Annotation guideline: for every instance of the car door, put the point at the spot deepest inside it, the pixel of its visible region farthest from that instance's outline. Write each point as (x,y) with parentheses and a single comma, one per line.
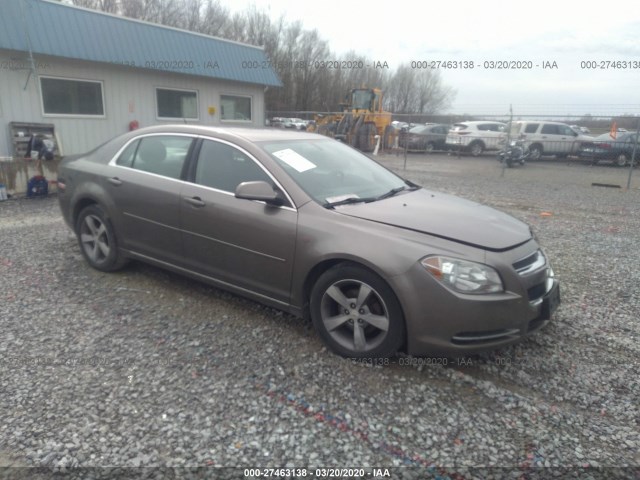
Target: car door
(491,134)
(569,139)
(556,140)
(439,136)
(145,183)
(241,242)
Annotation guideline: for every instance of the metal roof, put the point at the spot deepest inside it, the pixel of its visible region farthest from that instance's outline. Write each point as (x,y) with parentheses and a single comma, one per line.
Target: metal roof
(53,28)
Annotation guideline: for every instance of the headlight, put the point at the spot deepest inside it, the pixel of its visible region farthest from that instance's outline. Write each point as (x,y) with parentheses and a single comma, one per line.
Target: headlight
(463,276)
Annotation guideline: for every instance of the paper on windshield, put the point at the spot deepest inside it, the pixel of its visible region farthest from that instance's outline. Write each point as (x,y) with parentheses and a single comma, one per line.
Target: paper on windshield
(294,160)
(339,198)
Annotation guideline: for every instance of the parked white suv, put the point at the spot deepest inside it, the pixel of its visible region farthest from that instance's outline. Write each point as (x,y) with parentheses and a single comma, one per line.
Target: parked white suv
(475,137)
(548,138)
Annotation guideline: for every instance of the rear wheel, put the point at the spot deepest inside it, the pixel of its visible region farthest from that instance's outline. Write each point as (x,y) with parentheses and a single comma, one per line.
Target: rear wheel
(97,239)
(476,148)
(621,160)
(390,134)
(535,152)
(356,313)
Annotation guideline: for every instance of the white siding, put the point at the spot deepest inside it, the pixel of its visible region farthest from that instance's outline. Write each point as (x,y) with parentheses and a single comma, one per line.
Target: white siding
(129,94)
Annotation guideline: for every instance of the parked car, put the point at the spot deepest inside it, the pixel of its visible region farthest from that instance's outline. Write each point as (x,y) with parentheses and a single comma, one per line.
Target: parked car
(295,123)
(277,122)
(548,138)
(426,138)
(475,137)
(618,150)
(306,224)
(405,126)
(582,130)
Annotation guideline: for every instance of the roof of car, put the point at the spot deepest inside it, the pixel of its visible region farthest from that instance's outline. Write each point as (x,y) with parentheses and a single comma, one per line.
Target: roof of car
(476,122)
(247,133)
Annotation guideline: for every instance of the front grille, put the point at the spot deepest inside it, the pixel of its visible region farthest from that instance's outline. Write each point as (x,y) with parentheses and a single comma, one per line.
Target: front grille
(528,264)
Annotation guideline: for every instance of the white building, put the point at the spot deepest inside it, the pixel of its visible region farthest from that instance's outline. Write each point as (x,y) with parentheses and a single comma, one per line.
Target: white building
(83,77)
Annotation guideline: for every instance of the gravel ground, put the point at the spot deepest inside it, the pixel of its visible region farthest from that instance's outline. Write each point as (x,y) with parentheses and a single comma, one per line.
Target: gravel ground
(143,368)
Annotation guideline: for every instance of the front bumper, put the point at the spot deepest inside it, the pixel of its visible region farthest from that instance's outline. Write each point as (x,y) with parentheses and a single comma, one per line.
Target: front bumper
(441,322)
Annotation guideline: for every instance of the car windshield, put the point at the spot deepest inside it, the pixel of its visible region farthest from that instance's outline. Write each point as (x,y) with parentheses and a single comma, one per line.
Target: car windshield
(330,171)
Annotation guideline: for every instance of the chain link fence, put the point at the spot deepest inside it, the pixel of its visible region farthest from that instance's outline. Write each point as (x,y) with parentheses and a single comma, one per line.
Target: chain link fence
(590,138)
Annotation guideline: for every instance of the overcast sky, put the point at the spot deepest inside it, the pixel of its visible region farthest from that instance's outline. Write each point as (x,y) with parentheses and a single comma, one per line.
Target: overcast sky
(566,33)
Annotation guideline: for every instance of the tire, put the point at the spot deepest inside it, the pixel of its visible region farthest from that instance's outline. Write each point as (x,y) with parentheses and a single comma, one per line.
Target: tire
(621,160)
(389,137)
(535,152)
(366,137)
(346,301)
(429,148)
(97,239)
(476,149)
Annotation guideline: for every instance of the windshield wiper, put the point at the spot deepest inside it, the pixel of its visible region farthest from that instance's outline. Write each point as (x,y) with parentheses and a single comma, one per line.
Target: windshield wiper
(347,201)
(395,191)
(390,193)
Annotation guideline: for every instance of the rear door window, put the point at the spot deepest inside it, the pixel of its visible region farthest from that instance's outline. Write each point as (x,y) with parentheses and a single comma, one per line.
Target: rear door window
(160,154)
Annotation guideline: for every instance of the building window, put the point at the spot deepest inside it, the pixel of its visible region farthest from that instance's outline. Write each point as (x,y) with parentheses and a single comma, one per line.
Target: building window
(177,103)
(61,96)
(233,108)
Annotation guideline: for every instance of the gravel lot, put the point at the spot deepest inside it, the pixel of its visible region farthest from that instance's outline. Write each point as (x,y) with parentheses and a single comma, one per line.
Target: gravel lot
(143,368)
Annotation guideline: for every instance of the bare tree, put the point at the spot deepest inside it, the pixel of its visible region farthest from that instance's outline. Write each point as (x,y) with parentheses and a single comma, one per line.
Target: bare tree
(432,95)
(214,18)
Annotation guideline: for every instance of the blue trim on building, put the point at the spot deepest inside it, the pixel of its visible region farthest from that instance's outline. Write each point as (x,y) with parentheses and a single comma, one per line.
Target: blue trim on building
(52,28)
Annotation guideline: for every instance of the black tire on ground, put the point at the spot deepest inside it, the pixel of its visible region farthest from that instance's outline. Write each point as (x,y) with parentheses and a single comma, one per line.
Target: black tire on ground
(97,239)
(366,137)
(535,152)
(354,135)
(621,160)
(356,313)
(476,148)
(389,137)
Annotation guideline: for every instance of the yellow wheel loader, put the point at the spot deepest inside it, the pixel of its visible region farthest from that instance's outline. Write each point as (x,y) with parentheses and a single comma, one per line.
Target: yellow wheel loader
(362,119)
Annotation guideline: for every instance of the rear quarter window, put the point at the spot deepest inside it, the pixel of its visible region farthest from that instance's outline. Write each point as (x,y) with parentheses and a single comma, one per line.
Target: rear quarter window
(531,128)
(126,157)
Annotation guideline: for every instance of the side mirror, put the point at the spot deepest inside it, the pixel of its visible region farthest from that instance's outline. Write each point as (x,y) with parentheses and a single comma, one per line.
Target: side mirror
(260,191)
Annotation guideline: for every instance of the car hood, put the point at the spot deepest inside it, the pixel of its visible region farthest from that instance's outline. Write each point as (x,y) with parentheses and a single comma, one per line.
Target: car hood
(445,216)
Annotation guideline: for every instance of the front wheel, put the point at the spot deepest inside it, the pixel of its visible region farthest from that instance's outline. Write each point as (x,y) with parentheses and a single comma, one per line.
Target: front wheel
(97,239)
(356,313)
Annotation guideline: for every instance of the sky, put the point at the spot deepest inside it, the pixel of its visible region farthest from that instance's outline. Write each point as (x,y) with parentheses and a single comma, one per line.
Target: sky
(569,37)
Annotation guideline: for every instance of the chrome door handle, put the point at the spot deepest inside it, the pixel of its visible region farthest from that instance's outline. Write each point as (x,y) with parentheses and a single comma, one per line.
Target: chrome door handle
(195,201)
